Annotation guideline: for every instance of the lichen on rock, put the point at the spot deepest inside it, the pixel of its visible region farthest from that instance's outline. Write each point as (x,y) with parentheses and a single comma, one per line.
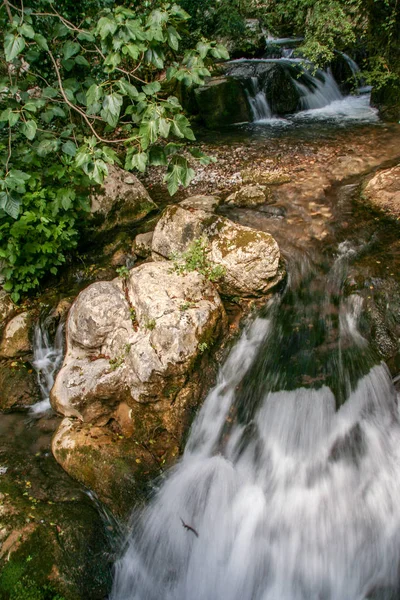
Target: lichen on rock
(249,259)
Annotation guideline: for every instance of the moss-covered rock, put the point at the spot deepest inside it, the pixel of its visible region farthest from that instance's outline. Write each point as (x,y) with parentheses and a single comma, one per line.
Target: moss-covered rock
(53,543)
(222,101)
(121,201)
(18,385)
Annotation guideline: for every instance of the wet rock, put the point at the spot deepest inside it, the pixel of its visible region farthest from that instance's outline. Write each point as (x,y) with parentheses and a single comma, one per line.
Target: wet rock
(281,92)
(15,341)
(257,175)
(131,342)
(143,243)
(122,200)
(206,203)
(273,211)
(248,196)
(222,101)
(18,385)
(383,191)
(248,259)
(53,542)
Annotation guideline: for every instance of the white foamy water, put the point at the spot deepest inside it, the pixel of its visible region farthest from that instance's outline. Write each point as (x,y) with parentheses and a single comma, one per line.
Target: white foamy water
(47,359)
(350,108)
(300,501)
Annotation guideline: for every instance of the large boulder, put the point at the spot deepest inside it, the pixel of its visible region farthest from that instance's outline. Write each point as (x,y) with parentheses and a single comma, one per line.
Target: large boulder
(134,342)
(281,91)
(383,191)
(223,101)
(248,260)
(16,341)
(124,387)
(121,200)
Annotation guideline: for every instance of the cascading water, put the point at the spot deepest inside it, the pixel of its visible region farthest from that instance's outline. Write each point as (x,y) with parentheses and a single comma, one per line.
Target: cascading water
(290,480)
(47,359)
(321,90)
(258,101)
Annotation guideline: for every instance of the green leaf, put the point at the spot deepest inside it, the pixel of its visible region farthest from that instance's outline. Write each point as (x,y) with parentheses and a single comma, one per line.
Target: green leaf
(136,161)
(49,92)
(106,26)
(68,64)
(13,118)
(69,148)
(86,36)
(172,180)
(10,204)
(152,88)
(81,61)
(157,156)
(173,38)
(127,88)
(27,31)
(41,41)
(46,147)
(112,60)
(181,128)
(164,127)
(203,48)
(13,45)
(94,96)
(29,129)
(203,158)
(111,109)
(4,115)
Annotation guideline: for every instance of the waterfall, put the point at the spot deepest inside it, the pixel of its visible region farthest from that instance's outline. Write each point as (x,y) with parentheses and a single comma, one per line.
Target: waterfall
(258,101)
(321,89)
(290,482)
(47,359)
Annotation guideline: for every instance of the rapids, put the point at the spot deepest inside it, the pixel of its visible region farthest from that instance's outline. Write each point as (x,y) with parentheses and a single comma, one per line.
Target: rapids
(291,475)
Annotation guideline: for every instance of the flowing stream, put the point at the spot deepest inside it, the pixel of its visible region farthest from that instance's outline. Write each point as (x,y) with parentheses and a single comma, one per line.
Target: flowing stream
(48,355)
(289,485)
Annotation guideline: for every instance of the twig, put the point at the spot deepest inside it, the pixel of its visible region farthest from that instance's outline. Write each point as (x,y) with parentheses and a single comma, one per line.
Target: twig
(9,149)
(8,9)
(78,110)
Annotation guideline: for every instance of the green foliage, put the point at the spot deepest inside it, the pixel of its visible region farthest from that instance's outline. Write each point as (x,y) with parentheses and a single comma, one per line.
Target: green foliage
(203,346)
(79,92)
(150,324)
(123,272)
(16,584)
(195,259)
(38,241)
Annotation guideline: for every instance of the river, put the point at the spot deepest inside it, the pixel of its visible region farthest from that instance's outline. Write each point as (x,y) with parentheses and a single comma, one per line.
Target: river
(290,482)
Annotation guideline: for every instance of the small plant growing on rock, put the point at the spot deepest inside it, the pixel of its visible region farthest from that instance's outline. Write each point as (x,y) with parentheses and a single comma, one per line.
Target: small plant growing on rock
(123,272)
(132,313)
(150,324)
(186,305)
(195,259)
(203,346)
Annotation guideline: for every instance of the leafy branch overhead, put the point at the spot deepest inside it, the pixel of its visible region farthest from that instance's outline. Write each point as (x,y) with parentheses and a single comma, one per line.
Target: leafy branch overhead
(76,96)
(102,95)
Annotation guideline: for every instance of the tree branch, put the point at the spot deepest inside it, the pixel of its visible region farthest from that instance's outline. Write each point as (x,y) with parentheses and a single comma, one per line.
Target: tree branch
(8,9)
(78,110)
